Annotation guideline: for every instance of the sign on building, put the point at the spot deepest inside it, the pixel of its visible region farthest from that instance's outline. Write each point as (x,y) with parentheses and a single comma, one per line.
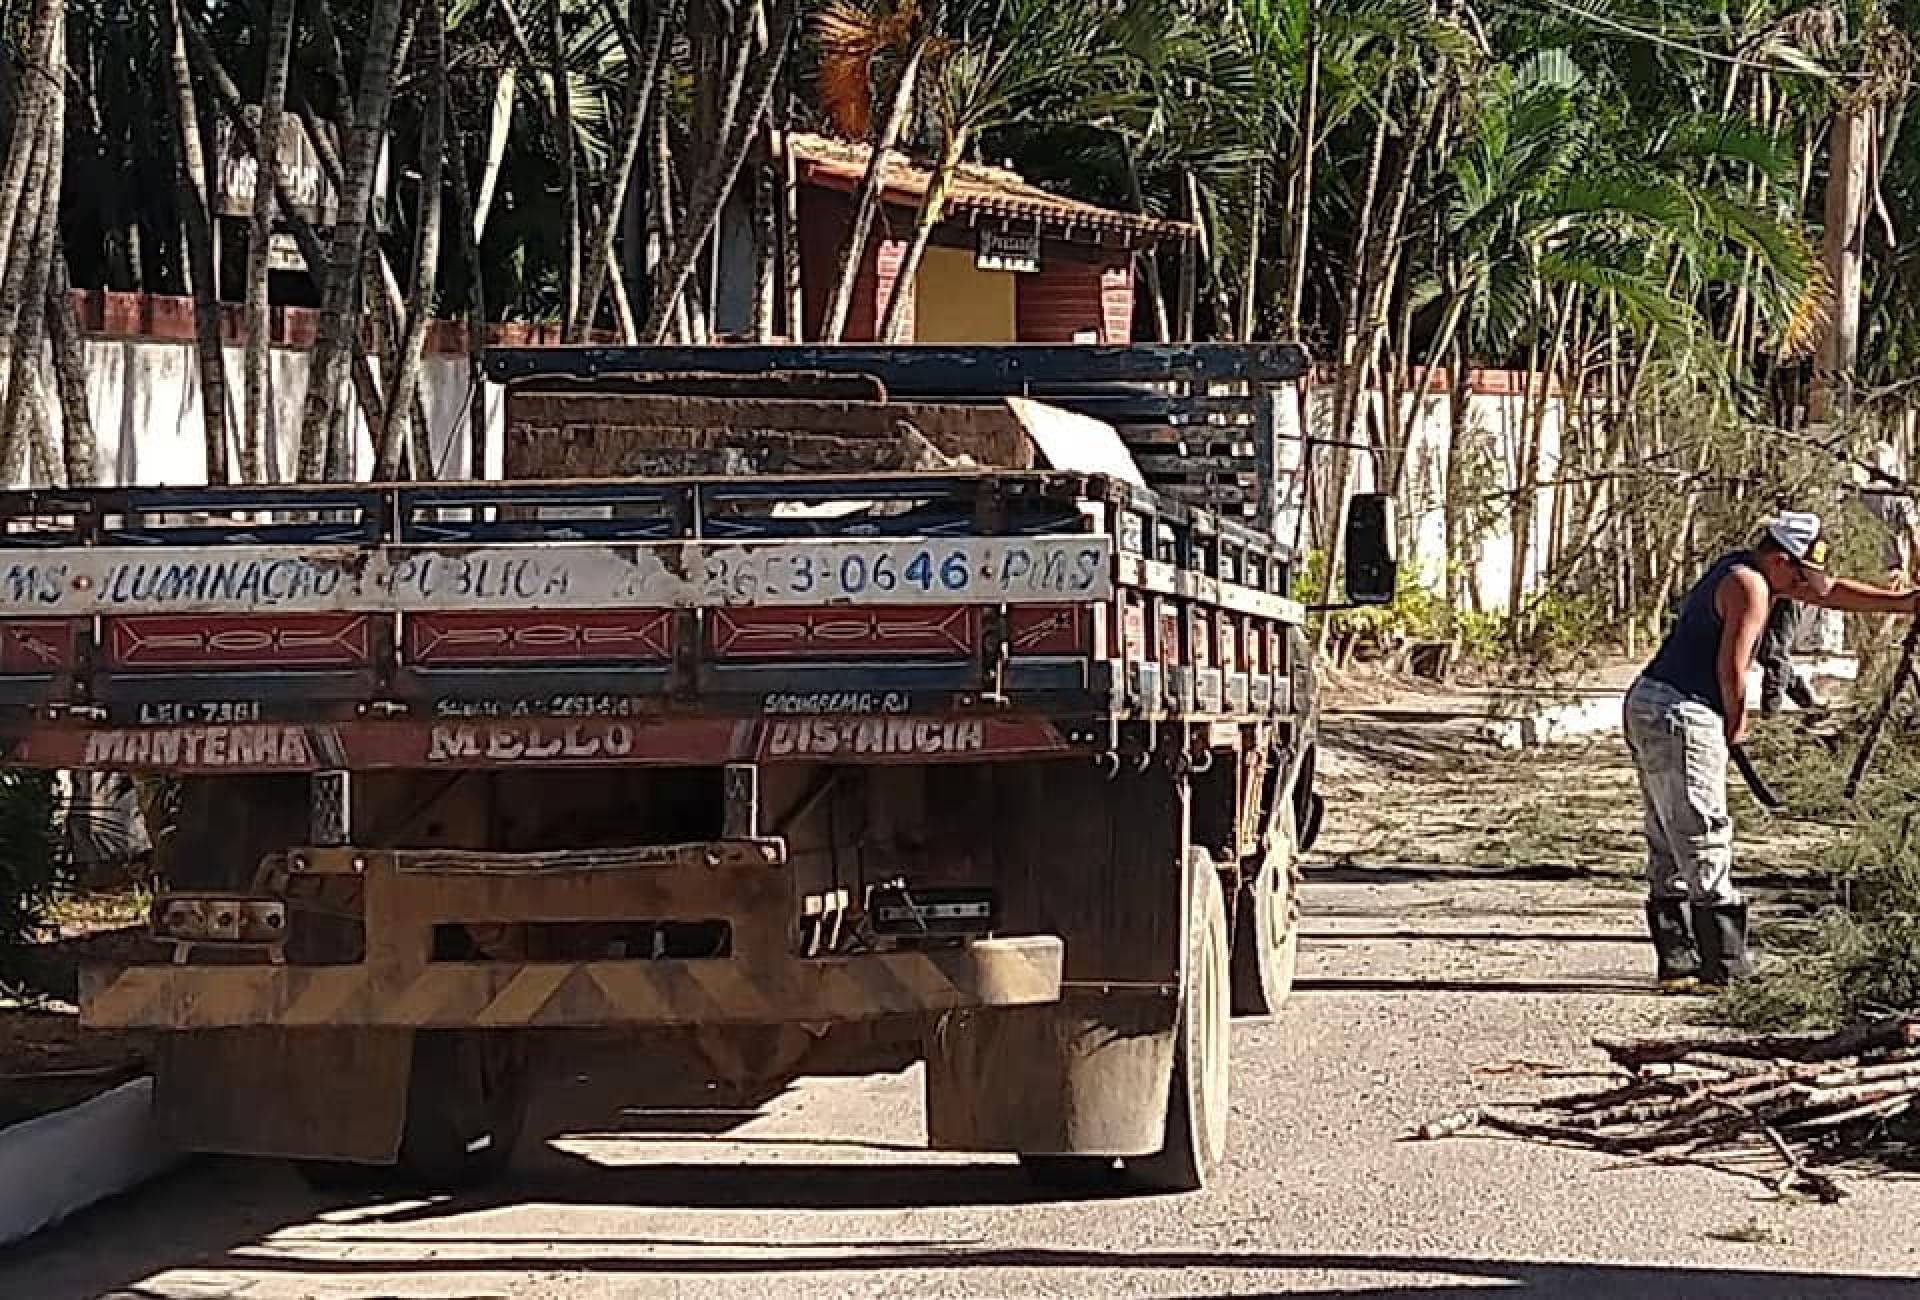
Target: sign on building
(307,184)
(1007,250)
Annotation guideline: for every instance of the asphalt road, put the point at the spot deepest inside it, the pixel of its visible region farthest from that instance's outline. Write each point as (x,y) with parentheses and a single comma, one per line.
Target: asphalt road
(1424,989)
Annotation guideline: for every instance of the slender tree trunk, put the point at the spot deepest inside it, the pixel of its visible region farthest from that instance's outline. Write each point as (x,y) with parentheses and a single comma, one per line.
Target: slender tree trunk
(1190,255)
(499,123)
(867,198)
(640,98)
(36,143)
(426,261)
(1459,410)
(312,250)
(709,197)
(193,184)
(70,375)
(933,207)
(622,305)
(1349,384)
(569,169)
(1250,271)
(792,295)
(1843,249)
(280,25)
(1148,259)
(765,262)
(471,229)
(1300,186)
(332,339)
(1441,346)
(34,98)
(24,421)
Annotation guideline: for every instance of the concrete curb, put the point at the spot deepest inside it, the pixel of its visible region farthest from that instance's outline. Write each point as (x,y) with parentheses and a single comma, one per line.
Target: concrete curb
(1519,722)
(55,1165)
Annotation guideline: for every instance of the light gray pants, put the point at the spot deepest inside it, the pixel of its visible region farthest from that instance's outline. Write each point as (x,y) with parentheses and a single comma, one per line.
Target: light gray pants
(1679,749)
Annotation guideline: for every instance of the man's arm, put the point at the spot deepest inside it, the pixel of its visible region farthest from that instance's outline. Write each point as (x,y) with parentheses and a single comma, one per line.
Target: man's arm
(1743,601)
(1862,598)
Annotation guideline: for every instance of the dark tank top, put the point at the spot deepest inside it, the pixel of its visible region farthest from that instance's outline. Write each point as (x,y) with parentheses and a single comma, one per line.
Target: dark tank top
(1688,658)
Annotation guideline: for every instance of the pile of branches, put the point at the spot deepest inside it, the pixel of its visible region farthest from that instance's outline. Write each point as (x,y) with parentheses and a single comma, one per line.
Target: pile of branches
(1778,1108)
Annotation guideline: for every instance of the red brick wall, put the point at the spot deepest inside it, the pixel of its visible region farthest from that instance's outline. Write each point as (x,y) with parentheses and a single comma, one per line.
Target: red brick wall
(1076,290)
(103,313)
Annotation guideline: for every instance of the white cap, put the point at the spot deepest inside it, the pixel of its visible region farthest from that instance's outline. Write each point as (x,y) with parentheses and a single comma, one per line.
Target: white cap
(1798,533)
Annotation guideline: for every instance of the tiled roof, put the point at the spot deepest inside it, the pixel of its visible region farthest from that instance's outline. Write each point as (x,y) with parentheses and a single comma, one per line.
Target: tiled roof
(993,191)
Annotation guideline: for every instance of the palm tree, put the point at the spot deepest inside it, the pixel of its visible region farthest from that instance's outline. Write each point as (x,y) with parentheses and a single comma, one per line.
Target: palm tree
(193,186)
(332,338)
(644,70)
(743,116)
(280,32)
(401,392)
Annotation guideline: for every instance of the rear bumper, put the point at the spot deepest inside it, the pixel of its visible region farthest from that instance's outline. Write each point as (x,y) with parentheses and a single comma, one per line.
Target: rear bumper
(398,982)
(594,994)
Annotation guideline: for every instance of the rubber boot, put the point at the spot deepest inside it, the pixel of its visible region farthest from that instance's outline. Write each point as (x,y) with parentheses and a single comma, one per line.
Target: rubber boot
(1679,960)
(1722,934)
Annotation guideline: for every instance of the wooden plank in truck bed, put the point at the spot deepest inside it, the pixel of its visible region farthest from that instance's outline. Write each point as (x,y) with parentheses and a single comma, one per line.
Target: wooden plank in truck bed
(557,434)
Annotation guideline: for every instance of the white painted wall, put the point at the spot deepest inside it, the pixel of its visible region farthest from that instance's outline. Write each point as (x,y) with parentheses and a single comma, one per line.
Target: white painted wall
(1493,423)
(144,398)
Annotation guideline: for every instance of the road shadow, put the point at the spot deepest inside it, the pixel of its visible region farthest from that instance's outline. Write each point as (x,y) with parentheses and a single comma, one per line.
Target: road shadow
(1465,936)
(1425,1277)
(1402,748)
(1435,984)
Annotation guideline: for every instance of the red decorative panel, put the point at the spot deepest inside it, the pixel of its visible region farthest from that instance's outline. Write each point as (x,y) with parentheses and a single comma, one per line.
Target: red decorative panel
(1170,635)
(586,635)
(36,647)
(1047,629)
(1133,629)
(239,641)
(821,633)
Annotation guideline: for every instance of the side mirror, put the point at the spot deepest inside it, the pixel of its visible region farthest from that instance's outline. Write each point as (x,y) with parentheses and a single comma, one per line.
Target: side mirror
(1372,571)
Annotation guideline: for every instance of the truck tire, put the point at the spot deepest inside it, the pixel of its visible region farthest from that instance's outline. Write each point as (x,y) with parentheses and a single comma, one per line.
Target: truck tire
(1266,931)
(1196,1123)
(466,1105)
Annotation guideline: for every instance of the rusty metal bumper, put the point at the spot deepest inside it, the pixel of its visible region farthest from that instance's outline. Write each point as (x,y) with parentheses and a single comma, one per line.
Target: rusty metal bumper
(407,893)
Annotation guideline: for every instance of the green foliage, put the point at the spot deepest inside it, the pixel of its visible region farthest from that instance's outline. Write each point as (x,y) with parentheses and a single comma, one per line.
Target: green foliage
(1860,955)
(34,867)
(1556,630)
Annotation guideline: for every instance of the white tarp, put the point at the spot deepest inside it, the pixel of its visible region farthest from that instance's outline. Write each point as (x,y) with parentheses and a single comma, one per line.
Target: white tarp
(1071,441)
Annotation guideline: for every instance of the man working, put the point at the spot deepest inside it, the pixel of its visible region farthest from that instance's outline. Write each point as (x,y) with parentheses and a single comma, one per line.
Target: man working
(1684,711)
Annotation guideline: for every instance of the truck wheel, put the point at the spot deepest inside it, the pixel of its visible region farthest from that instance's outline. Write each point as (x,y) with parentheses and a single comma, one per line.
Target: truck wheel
(466,1105)
(1196,1124)
(1266,932)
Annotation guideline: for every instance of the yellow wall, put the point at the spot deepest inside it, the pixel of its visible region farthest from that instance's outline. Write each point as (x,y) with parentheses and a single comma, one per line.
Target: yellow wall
(955,302)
